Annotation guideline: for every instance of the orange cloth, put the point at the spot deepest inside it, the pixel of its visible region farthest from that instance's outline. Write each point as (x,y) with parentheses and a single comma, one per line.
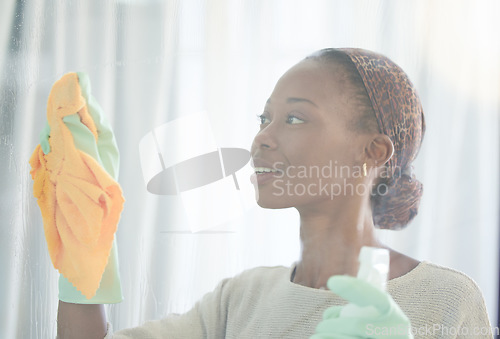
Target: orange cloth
(80,202)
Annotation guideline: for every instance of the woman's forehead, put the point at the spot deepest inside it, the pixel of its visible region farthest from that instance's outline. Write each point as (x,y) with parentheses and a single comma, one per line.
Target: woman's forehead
(316,81)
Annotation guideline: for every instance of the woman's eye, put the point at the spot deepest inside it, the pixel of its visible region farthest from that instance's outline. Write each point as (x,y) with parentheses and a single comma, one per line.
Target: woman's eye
(293,120)
(263,119)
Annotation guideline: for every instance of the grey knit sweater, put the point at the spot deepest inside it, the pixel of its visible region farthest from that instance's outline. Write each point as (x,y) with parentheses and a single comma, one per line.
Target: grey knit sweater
(264,303)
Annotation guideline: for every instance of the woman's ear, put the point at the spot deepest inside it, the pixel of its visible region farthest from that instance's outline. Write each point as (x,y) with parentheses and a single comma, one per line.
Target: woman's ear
(380,149)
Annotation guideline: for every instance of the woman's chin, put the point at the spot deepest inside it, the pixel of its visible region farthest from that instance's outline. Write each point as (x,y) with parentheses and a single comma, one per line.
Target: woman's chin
(272,203)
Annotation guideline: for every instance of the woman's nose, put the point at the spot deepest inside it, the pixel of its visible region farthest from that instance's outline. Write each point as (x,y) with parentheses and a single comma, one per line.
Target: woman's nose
(265,139)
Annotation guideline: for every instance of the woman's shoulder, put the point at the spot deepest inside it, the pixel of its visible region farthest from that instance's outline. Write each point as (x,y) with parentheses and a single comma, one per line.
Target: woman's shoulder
(433,295)
(264,273)
(253,282)
(433,280)
(427,271)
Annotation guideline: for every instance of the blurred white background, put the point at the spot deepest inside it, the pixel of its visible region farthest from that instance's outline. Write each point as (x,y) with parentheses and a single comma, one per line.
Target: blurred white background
(153,61)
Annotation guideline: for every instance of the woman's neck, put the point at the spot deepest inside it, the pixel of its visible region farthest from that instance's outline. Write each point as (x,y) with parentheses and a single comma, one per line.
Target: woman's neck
(331,243)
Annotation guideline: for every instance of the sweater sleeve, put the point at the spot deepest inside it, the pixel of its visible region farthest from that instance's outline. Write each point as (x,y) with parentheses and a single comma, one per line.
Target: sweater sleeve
(475,320)
(207,319)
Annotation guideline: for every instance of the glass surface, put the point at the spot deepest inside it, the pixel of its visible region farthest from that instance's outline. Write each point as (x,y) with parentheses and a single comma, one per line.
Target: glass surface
(152,62)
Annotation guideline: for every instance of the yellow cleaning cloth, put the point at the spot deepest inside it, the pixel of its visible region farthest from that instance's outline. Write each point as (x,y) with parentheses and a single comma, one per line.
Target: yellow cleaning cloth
(80,202)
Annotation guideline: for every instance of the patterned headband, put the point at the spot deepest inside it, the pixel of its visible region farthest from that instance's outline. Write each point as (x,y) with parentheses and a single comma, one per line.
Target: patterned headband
(400,116)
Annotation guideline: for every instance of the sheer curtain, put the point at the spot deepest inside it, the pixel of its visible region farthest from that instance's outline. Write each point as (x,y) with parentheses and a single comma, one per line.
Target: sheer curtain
(154,62)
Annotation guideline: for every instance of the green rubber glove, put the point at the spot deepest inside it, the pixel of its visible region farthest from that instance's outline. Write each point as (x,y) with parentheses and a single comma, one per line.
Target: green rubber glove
(106,151)
(386,318)
(107,154)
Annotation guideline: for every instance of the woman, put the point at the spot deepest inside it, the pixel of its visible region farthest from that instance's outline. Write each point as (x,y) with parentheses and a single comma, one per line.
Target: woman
(337,139)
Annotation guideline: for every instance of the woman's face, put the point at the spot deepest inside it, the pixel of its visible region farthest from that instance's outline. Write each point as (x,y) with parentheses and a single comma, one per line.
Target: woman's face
(304,136)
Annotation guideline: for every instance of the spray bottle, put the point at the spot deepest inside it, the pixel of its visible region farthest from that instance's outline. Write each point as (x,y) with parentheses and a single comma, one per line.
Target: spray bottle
(373,268)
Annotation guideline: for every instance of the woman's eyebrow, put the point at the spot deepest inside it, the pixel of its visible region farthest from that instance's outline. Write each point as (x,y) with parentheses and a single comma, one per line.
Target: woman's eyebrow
(294,100)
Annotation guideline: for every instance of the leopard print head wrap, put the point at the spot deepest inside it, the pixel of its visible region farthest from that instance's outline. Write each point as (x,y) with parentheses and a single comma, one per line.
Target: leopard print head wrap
(400,116)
